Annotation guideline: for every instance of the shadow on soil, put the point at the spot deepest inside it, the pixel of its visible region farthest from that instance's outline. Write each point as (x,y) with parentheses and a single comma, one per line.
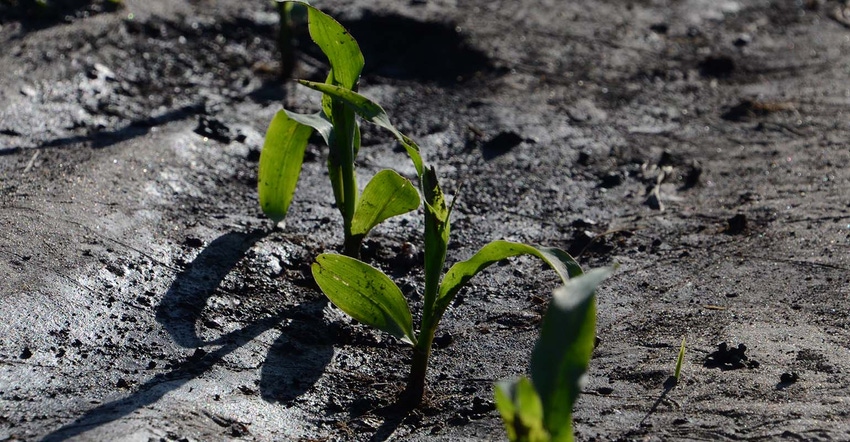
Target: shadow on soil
(35,15)
(294,363)
(183,303)
(403,48)
(134,129)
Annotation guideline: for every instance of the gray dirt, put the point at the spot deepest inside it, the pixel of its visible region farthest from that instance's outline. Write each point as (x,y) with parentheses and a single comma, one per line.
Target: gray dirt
(701,145)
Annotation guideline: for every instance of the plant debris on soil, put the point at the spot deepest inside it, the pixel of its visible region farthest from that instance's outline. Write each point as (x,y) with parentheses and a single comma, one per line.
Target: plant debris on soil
(701,145)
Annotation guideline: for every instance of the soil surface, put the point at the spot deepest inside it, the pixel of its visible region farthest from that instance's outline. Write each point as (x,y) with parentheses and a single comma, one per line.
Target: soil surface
(700,144)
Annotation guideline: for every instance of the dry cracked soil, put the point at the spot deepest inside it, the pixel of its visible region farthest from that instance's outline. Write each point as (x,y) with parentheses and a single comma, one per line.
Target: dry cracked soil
(702,145)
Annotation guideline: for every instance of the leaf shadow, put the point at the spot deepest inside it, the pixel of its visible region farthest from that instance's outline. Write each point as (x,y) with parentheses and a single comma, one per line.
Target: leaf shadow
(161,384)
(182,305)
(299,355)
(296,360)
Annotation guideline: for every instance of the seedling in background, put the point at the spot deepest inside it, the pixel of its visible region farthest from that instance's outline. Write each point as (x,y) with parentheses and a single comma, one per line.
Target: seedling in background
(678,372)
(371,297)
(540,409)
(387,194)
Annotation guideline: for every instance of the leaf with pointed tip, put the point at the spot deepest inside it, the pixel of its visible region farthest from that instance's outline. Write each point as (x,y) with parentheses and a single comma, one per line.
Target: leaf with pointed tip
(562,354)
(280,162)
(388,194)
(364,293)
(459,274)
(338,45)
(373,113)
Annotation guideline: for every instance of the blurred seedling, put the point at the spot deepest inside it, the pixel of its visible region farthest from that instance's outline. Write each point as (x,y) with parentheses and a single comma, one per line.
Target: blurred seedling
(540,409)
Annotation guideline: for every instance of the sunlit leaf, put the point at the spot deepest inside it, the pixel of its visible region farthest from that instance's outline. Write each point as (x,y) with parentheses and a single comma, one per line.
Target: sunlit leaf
(373,113)
(338,45)
(364,293)
(280,163)
(459,274)
(388,194)
(562,354)
(677,373)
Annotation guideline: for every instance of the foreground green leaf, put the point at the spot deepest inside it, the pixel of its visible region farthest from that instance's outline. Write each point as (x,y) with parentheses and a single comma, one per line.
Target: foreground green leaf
(364,293)
(280,163)
(388,194)
(561,356)
(521,411)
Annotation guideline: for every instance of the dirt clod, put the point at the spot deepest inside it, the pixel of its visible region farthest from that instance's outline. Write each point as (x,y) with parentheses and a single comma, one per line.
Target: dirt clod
(726,358)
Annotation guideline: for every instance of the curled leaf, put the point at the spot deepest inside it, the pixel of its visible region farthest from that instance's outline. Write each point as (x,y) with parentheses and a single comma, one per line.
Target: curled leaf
(459,274)
(373,113)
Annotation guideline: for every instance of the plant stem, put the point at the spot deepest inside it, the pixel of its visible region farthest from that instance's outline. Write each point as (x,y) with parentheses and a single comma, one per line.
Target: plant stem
(284,40)
(351,244)
(418,368)
(344,132)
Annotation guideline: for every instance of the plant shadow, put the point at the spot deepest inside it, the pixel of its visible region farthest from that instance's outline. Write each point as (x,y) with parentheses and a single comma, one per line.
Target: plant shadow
(161,384)
(105,139)
(299,356)
(669,384)
(182,305)
(295,361)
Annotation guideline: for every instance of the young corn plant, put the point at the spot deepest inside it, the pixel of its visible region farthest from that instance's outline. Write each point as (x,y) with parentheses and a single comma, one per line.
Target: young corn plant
(540,409)
(677,373)
(387,194)
(371,297)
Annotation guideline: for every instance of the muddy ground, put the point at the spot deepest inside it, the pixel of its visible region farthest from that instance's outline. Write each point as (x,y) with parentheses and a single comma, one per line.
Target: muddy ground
(702,145)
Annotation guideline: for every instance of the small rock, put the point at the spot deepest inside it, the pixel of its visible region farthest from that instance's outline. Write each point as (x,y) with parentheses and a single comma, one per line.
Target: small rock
(26,353)
(736,225)
(501,144)
(610,180)
(789,378)
(443,340)
(660,28)
(193,242)
(742,40)
(212,128)
(717,66)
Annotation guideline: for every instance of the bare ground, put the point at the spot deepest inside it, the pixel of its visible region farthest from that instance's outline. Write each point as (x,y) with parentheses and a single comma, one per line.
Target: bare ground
(701,145)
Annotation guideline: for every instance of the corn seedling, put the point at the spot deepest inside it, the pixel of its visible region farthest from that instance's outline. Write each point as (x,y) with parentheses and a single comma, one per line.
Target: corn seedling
(540,409)
(369,296)
(387,194)
(678,372)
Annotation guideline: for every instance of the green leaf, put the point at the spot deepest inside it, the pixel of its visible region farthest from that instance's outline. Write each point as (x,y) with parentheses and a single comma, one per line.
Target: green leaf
(317,121)
(388,194)
(364,293)
(437,231)
(459,274)
(562,354)
(338,45)
(521,411)
(678,372)
(373,113)
(280,163)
